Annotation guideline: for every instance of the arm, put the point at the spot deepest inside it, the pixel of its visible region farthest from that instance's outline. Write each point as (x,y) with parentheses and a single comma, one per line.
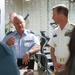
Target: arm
(57,65)
(33,50)
(52,55)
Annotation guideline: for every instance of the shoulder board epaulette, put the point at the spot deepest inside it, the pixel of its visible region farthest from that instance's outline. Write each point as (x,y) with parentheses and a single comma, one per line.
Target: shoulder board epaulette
(9,32)
(72,24)
(32,32)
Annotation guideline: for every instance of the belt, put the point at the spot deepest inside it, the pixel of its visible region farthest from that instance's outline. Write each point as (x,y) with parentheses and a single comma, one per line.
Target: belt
(19,59)
(20,65)
(61,60)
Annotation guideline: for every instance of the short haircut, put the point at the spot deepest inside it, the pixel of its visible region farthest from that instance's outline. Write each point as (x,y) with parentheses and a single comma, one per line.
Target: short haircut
(61,8)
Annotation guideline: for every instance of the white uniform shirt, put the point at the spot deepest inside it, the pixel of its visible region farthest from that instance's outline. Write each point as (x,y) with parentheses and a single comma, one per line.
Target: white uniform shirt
(60,41)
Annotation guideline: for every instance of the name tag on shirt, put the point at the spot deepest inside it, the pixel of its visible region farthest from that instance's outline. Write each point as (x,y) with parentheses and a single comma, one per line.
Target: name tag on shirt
(28,40)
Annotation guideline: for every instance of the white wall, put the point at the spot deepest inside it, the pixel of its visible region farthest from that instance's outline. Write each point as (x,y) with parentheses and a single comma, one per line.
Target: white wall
(2,19)
(37,10)
(40,13)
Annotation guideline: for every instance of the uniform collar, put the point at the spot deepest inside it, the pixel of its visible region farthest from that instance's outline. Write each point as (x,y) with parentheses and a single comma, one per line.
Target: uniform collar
(25,32)
(68,25)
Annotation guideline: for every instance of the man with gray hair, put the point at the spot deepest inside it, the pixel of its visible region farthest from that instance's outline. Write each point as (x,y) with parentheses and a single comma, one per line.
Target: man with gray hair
(23,43)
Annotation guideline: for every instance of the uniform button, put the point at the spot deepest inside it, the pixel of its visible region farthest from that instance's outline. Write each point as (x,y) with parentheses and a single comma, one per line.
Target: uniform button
(62,59)
(55,45)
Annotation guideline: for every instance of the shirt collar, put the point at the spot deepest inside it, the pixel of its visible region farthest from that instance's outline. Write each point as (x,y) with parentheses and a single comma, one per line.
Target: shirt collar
(25,32)
(68,25)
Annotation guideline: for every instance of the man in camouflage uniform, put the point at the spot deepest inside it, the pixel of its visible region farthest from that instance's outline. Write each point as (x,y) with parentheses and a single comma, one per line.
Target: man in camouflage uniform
(9,26)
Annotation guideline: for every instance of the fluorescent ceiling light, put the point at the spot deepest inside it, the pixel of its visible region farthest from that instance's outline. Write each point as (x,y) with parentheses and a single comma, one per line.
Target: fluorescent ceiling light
(27,0)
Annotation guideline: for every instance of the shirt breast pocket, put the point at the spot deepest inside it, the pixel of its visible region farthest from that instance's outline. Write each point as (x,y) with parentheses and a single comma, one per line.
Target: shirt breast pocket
(55,40)
(27,44)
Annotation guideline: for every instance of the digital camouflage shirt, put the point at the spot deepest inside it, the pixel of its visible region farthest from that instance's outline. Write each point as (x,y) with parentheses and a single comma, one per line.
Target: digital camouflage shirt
(9,27)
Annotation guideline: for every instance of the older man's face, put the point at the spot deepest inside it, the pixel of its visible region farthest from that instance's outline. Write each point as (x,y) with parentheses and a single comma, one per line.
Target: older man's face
(19,24)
